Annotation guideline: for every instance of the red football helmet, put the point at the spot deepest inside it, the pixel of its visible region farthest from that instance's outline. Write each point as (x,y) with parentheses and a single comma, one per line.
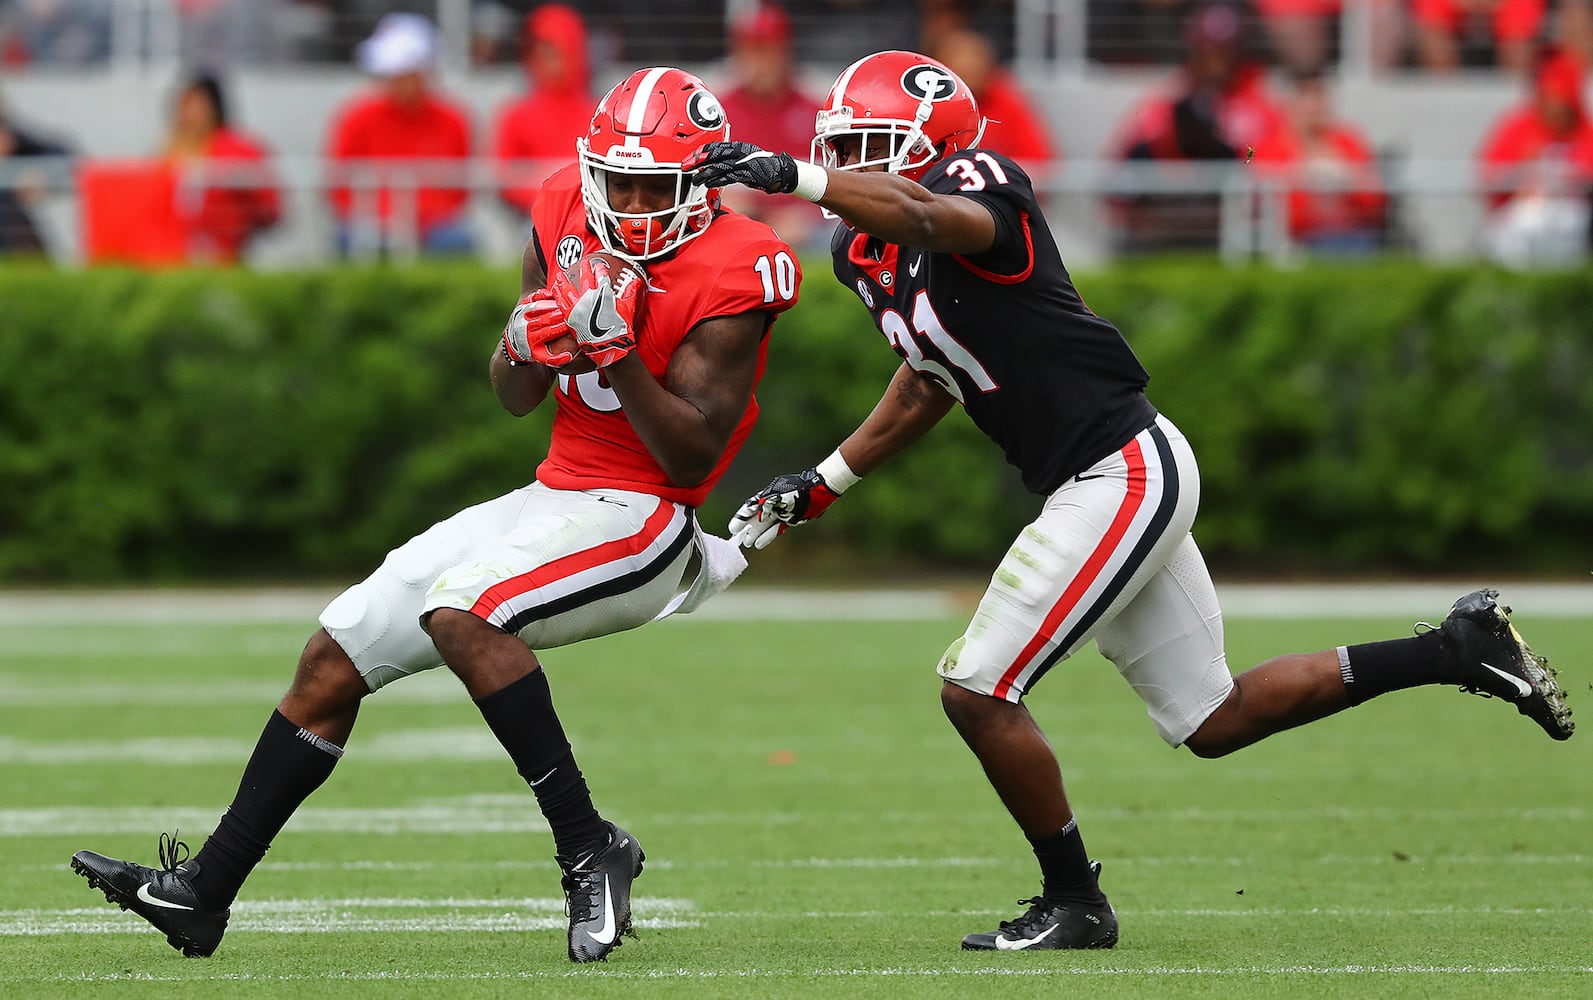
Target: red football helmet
(906,109)
(649,124)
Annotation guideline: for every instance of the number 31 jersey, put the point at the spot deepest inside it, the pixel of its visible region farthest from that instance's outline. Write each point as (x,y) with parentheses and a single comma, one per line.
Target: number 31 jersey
(1004,331)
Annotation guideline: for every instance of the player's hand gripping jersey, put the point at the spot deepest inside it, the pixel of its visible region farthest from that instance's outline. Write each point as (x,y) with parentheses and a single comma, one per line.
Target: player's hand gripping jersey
(1005,331)
(736,266)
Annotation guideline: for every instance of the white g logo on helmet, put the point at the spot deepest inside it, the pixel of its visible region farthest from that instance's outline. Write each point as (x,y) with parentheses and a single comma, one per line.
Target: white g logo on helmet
(927,82)
(704,111)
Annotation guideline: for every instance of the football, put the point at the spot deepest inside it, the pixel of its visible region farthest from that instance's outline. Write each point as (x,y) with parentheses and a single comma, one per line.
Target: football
(630,291)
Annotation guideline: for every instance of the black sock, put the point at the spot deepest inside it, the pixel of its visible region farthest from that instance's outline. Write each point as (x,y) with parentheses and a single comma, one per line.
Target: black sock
(522,717)
(1374,668)
(1065,867)
(287,765)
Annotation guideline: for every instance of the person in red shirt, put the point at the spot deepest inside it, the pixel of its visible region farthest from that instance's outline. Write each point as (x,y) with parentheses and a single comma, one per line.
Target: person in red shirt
(387,145)
(217,204)
(1536,167)
(765,105)
(1216,108)
(1335,198)
(1446,28)
(535,133)
(1013,127)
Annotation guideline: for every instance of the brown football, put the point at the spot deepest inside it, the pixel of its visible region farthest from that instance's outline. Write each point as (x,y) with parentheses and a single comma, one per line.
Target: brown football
(630,292)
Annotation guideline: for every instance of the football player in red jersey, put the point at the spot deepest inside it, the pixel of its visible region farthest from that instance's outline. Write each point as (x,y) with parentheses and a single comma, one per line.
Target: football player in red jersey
(597,544)
(947,247)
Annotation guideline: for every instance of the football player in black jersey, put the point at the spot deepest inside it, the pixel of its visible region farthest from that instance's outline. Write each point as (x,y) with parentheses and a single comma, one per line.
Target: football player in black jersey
(947,247)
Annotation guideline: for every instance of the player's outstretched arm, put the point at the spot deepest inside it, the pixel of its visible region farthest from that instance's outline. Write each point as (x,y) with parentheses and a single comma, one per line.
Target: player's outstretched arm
(912,404)
(521,388)
(893,208)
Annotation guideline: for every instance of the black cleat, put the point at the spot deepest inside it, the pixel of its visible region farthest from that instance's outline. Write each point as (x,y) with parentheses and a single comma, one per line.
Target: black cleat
(1498,663)
(1051,925)
(597,895)
(164,896)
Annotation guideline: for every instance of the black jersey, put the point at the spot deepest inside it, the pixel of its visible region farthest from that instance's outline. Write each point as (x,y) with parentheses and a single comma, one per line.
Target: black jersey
(1053,384)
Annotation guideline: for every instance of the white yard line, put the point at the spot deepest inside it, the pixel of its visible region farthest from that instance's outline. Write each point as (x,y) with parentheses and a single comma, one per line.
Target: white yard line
(1240,600)
(1048,970)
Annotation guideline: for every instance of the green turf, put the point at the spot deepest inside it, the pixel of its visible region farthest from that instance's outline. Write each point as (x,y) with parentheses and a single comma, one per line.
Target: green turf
(813,827)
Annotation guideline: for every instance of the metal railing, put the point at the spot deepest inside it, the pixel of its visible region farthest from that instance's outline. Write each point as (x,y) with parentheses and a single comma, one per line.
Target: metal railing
(1437,208)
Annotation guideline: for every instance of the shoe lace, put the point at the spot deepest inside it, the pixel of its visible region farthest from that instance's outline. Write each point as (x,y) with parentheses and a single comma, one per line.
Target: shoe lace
(1032,918)
(173,852)
(581,887)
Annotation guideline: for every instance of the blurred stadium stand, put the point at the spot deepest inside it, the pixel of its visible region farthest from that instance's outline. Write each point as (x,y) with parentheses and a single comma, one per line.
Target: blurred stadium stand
(100,75)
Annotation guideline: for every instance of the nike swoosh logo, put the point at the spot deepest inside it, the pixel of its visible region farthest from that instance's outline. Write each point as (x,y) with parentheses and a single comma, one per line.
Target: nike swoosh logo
(913,270)
(1008,944)
(1081,477)
(144,894)
(592,328)
(605,934)
(1522,687)
(543,778)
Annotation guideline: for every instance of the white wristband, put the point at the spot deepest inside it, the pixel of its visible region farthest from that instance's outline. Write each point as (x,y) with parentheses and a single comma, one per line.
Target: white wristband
(811,181)
(837,474)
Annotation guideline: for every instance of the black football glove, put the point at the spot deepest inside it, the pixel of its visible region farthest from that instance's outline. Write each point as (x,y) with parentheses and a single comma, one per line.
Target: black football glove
(719,164)
(789,500)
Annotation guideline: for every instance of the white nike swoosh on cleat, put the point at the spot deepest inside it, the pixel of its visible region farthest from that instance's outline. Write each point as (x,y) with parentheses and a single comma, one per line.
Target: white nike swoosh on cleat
(1008,944)
(1522,687)
(605,934)
(144,894)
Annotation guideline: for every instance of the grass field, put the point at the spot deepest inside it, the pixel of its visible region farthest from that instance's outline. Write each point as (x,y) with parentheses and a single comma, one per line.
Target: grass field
(813,826)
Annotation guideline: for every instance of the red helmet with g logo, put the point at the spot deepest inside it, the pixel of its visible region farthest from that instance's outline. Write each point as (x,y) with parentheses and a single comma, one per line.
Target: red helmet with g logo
(907,109)
(649,124)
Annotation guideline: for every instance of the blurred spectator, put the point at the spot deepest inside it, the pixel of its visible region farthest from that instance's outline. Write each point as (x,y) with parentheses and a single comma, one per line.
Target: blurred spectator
(1335,200)
(838,32)
(1151,32)
(1014,127)
(764,105)
(215,163)
(1452,33)
(1215,109)
(1303,33)
(544,124)
(492,33)
(1536,169)
(658,33)
(1572,28)
(54,32)
(994,19)
(390,145)
(20,186)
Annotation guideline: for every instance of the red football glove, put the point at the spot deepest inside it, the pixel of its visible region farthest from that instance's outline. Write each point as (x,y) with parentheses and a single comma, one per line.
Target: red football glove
(537,320)
(602,316)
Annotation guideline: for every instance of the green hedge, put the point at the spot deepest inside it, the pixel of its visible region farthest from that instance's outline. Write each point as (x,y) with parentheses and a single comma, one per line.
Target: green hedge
(233,425)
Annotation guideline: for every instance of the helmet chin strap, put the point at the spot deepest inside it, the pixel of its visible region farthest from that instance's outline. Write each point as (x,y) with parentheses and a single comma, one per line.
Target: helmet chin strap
(926,107)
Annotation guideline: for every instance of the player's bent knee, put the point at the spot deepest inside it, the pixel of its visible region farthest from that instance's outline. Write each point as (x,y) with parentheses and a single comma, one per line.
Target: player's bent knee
(326,678)
(968,710)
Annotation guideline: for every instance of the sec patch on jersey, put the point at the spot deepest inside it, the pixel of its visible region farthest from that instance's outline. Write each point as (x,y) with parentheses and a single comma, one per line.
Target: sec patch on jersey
(630,296)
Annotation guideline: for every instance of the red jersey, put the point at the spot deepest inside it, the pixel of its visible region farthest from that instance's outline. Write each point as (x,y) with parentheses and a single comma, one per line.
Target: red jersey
(374,126)
(1349,194)
(735,266)
(226,216)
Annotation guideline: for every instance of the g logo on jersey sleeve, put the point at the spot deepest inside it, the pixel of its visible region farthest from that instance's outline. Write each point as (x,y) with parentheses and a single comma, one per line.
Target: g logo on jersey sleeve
(569,251)
(927,82)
